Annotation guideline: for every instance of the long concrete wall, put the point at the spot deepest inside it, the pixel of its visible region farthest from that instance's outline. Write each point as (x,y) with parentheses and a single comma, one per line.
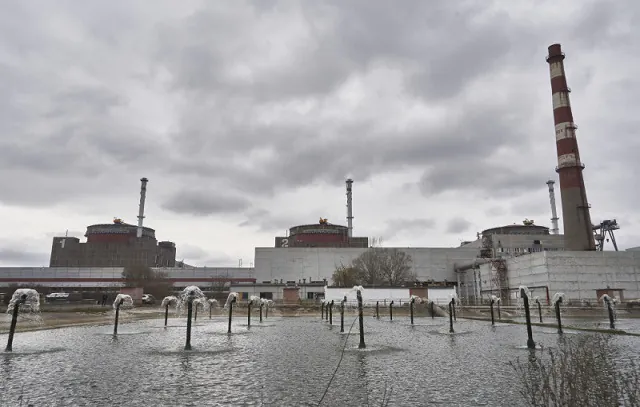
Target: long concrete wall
(293,264)
(577,274)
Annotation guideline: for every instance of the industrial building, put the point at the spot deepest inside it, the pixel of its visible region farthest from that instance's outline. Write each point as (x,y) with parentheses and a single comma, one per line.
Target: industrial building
(302,263)
(116,244)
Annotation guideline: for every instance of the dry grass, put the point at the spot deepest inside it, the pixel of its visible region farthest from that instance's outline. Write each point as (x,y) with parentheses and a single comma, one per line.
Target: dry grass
(588,371)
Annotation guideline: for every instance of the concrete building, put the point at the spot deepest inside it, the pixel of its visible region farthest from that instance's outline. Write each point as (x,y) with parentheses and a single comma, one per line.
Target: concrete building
(581,276)
(513,240)
(321,234)
(288,293)
(88,278)
(113,245)
(318,264)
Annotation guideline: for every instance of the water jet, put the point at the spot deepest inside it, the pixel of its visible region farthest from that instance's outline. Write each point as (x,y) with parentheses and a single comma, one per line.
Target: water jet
(122,300)
(525,293)
(331,313)
(358,289)
(556,301)
(537,300)
(191,295)
(231,299)
(342,314)
(411,305)
(493,299)
(609,304)
(254,299)
(166,302)
(25,300)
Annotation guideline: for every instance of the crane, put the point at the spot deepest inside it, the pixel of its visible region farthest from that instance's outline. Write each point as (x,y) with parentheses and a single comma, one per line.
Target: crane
(606,227)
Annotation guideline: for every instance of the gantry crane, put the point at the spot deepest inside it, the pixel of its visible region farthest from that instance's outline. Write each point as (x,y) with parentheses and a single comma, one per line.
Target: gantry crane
(606,227)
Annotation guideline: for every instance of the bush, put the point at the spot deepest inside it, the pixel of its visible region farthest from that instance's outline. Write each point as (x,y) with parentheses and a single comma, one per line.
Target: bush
(587,371)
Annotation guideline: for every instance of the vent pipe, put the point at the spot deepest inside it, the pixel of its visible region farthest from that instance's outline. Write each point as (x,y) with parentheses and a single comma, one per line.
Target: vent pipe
(143,195)
(576,217)
(554,212)
(349,183)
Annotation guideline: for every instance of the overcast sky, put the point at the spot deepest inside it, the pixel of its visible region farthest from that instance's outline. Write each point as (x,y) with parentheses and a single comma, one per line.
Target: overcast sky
(247,116)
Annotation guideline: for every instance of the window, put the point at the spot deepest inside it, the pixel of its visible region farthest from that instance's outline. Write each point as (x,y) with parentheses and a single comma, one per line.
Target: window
(267,295)
(311,296)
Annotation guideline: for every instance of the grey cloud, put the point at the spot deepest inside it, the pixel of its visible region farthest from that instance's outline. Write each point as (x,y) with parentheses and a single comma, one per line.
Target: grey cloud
(196,256)
(458,225)
(15,257)
(414,227)
(204,202)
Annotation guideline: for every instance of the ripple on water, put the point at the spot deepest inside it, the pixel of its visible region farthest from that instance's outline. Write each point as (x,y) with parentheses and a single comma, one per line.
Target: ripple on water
(30,352)
(193,351)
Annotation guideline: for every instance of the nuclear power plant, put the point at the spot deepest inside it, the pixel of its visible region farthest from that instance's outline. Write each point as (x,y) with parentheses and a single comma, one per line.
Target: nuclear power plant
(496,262)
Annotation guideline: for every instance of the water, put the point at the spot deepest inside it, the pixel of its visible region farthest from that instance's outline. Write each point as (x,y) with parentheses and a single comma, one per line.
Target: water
(288,363)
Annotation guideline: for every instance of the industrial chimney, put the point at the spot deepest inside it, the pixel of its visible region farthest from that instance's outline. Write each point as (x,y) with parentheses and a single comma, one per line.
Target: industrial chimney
(554,213)
(143,195)
(578,233)
(349,183)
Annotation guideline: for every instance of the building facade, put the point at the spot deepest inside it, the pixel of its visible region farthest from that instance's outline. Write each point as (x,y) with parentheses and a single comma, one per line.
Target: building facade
(321,234)
(113,245)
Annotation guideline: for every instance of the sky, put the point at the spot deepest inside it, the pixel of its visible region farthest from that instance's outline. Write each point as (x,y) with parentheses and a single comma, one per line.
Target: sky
(248,116)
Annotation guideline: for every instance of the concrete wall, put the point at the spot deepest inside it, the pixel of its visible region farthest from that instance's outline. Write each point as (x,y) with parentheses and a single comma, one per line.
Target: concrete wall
(369,295)
(277,290)
(577,274)
(293,264)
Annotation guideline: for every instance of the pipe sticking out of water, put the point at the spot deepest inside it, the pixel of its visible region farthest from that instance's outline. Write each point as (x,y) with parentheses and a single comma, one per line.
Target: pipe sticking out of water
(195,314)
(331,304)
(322,310)
(14,321)
(391,311)
(261,305)
(413,300)
(166,315)
(231,302)
(342,313)
(360,318)
(378,309)
(539,308)
(187,345)
(493,322)
(557,300)
(115,323)
(249,313)
(451,315)
(525,297)
(607,301)
(433,315)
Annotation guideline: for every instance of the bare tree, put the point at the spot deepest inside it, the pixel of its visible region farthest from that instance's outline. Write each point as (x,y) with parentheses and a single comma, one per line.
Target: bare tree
(382,266)
(345,276)
(396,267)
(155,283)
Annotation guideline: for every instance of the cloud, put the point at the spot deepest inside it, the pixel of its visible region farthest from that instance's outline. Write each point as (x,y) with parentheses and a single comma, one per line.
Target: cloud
(204,203)
(409,227)
(197,255)
(258,99)
(458,225)
(14,257)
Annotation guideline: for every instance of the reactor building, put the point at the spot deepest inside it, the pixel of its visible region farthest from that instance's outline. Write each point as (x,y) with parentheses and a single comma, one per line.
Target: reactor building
(116,244)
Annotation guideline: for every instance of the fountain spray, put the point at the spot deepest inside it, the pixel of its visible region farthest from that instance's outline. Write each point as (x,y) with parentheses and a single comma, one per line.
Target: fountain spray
(261,305)
(378,309)
(14,320)
(537,300)
(608,302)
(122,300)
(166,302)
(391,311)
(358,289)
(342,313)
(451,315)
(411,305)
(231,299)
(187,345)
(499,302)
(331,313)
(557,300)
(266,309)
(454,298)
(524,293)
(493,299)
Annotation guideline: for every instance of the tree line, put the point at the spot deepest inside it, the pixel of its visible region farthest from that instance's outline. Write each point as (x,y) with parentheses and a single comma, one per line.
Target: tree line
(377,266)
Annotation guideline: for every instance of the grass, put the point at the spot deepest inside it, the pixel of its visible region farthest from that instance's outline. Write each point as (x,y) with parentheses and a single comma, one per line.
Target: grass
(585,372)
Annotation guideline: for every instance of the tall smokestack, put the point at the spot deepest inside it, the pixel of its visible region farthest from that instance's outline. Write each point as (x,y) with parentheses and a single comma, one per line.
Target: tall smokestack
(578,233)
(554,213)
(143,195)
(349,183)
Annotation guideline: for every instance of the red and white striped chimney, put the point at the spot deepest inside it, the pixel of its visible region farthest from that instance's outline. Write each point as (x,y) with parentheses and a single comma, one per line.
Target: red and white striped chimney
(578,230)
